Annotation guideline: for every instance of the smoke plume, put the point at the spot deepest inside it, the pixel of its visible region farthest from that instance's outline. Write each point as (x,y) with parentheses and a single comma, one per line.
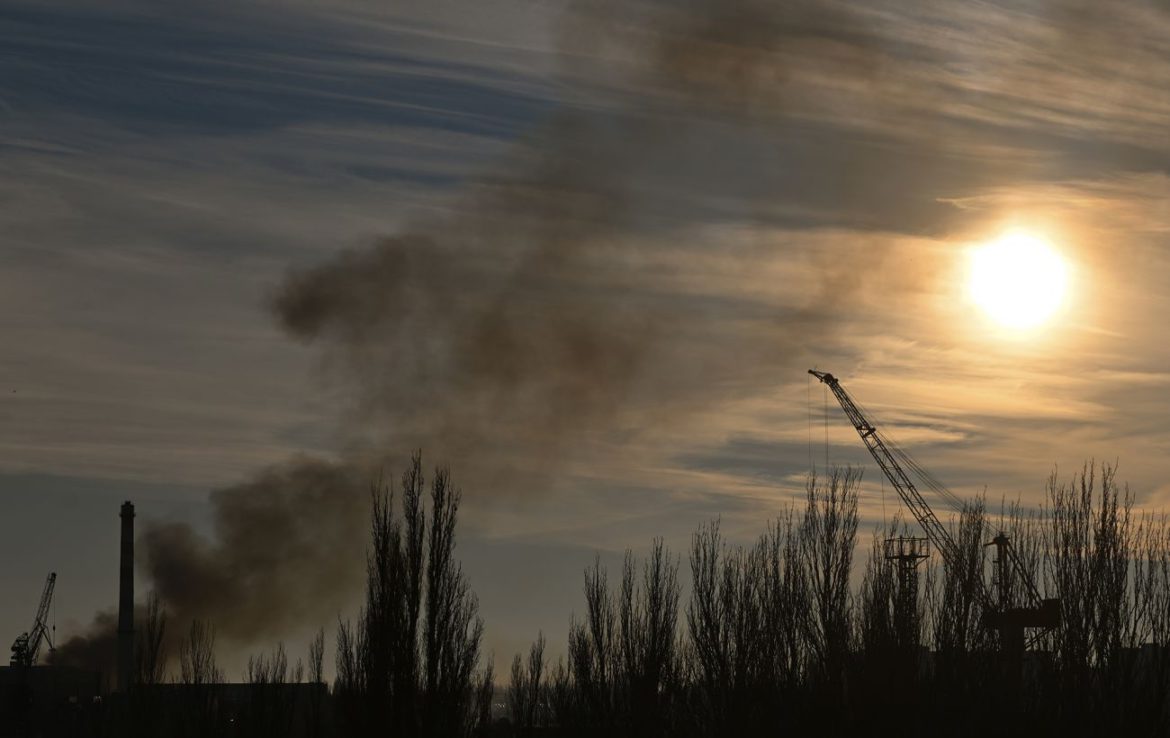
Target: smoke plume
(287,551)
(577,294)
(563,301)
(94,647)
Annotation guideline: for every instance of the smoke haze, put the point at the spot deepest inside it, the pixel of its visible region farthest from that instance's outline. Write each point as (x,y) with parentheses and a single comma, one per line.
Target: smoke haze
(288,551)
(582,290)
(563,300)
(561,303)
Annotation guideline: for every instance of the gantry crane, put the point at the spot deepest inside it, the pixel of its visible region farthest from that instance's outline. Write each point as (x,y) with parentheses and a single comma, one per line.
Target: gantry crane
(27,645)
(1000,613)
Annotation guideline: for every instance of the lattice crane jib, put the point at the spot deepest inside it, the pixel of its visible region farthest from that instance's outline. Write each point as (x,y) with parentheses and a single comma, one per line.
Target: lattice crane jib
(893,470)
(27,645)
(1041,613)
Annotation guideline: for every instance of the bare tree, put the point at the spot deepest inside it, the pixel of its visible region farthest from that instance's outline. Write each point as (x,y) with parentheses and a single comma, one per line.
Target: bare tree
(648,641)
(956,606)
(1094,540)
(151,655)
(785,605)
(828,537)
(270,709)
(316,674)
(527,690)
(725,618)
(485,691)
(453,628)
(877,601)
(350,690)
(197,663)
(150,661)
(198,671)
(410,661)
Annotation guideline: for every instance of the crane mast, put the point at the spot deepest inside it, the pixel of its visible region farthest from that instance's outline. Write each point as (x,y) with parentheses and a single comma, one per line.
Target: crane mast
(1008,620)
(27,645)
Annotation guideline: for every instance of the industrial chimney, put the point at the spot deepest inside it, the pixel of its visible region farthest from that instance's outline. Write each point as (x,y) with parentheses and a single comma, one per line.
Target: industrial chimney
(126,601)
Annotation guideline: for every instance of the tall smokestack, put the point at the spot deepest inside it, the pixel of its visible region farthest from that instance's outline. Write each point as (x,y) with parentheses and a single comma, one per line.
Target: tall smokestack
(126,601)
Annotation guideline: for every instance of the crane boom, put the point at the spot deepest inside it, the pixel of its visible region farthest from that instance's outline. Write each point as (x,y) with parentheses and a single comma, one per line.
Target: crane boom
(893,470)
(27,645)
(1009,620)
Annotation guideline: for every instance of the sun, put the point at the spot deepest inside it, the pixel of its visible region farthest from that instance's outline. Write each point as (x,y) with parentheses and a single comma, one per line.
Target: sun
(1018,280)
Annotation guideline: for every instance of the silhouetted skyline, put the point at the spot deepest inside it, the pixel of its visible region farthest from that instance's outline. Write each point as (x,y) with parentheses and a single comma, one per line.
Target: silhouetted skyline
(581,253)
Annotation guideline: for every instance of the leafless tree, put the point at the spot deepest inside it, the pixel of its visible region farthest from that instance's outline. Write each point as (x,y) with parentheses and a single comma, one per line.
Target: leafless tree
(785,604)
(828,537)
(150,651)
(197,663)
(198,672)
(955,602)
(527,691)
(410,661)
(485,691)
(726,620)
(877,600)
(316,673)
(648,640)
(453,627)
(350,690)
(271,708)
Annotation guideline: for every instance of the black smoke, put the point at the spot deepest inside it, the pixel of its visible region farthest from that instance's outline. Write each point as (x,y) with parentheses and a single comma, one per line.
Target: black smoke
(560,304)
(287,551)
(577,296)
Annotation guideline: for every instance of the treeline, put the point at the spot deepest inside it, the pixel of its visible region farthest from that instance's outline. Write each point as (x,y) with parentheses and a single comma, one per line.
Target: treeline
(773,639)
(785,636)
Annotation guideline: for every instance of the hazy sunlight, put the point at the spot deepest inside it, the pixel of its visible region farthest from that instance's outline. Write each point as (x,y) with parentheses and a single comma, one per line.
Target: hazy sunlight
(1018,280)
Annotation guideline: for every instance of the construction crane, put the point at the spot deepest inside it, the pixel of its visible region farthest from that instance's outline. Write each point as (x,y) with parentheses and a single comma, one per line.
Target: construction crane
(1000,614)
(27,645)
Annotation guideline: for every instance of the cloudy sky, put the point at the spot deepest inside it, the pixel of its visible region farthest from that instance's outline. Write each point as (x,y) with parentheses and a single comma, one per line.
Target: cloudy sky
(582,253)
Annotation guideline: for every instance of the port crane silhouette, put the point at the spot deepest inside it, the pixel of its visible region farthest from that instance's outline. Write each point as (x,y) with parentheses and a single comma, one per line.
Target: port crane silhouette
(1000,612)
(27,645)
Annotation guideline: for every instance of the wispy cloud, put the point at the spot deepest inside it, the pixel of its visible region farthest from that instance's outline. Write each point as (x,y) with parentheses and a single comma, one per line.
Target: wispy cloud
(723,191)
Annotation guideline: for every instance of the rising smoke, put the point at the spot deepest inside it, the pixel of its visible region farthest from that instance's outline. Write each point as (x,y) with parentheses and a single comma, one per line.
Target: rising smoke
(288,550)
(561,302)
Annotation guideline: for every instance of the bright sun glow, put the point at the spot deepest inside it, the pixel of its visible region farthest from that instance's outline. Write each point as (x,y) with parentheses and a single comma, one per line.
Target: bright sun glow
(1018,280)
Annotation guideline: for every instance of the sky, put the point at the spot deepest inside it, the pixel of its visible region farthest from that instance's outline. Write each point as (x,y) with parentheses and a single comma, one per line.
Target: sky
(582,253)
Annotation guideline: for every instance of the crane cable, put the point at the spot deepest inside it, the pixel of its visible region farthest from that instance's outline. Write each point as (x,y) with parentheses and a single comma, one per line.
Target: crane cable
(930,480)
(808,387)
(927,479)
(826,397)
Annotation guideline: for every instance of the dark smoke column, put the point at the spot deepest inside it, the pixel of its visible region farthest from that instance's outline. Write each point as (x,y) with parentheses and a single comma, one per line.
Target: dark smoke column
(126,601)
